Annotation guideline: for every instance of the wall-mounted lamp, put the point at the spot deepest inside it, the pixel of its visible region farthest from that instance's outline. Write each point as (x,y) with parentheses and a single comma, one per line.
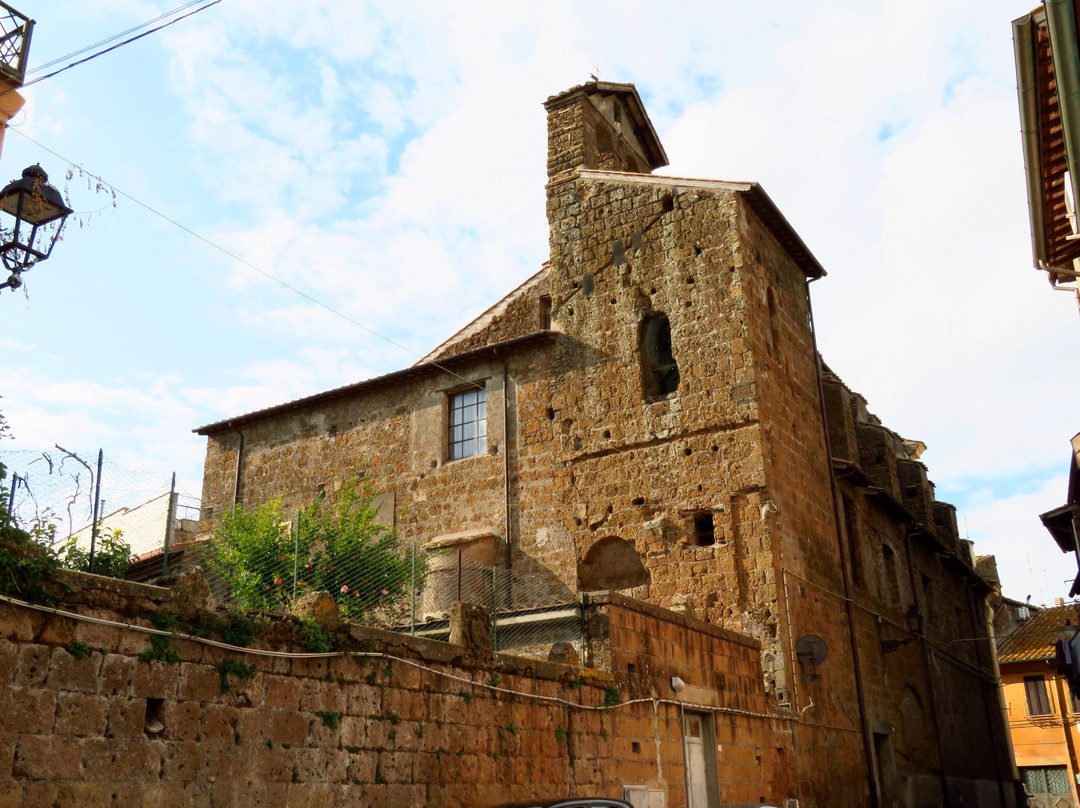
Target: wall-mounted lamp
(914,621)
(34,203)
(677,684)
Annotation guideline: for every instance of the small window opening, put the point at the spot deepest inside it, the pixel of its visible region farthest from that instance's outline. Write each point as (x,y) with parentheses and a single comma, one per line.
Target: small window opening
(551,413)
(545,312)
(152,722)
(662,371)
(635,747)
(704,530)
(587,283)
(667,203)
(631,668)
(637,501)
(635,241)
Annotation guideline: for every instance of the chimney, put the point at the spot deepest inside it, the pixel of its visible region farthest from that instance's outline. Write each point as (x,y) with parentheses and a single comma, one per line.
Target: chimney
(601,125)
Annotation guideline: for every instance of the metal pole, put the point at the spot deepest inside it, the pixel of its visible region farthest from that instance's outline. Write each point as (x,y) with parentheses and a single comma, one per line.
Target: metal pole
(97,503)
(170,522)
(412,620)
(296,552)
(495,608)
(11,496)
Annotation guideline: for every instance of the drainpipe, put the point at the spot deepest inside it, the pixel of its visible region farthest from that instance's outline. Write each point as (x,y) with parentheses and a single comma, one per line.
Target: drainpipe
(506,480)
(972,603)
(1070,747)
(239,461)
(868,752)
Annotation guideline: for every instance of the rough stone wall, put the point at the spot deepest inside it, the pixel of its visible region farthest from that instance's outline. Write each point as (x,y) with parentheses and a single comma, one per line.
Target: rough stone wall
(394,434)
(641,466)
(405,722)
(518,314)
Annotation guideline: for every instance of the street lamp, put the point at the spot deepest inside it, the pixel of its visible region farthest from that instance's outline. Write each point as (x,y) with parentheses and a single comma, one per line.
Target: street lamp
(34,203)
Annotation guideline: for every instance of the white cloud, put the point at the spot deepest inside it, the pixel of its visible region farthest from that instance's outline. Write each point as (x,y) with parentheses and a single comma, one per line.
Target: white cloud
(1028,560)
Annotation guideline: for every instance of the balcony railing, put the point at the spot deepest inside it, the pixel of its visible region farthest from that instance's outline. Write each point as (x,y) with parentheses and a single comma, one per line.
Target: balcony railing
(15,30)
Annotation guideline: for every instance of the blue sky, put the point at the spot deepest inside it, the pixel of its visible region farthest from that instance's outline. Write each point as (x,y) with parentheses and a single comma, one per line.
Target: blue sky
(388,160)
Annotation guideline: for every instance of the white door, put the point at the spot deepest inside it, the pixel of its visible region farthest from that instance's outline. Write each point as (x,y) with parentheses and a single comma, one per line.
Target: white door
(697,784)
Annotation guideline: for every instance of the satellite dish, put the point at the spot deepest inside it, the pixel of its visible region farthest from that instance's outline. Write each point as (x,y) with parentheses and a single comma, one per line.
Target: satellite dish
(811,650)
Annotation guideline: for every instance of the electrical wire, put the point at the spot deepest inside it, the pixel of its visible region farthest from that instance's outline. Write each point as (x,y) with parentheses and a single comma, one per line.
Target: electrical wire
(241,260)
(108,50)
(55,610)
(112,38)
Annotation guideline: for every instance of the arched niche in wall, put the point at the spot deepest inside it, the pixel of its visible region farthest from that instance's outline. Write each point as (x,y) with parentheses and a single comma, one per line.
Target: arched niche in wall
(611,563)
(912,723)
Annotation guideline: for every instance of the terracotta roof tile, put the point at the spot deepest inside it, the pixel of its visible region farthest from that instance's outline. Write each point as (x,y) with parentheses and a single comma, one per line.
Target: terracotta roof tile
(1035,638)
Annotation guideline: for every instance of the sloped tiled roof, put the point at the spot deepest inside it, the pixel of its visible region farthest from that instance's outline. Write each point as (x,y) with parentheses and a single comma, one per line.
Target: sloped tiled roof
(1035,638)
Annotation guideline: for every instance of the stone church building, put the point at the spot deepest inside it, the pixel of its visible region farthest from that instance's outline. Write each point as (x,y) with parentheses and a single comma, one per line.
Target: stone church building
(648,414)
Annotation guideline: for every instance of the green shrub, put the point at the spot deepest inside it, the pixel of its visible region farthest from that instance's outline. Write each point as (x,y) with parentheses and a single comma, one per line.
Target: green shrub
(338,547)
(112,555)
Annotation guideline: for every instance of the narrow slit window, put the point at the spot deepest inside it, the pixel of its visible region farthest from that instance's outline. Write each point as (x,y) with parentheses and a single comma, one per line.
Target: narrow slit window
(467,424)
(661,369)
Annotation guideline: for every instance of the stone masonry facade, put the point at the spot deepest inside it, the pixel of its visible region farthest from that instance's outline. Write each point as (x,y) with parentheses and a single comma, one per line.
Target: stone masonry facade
(659,423)
(385,720)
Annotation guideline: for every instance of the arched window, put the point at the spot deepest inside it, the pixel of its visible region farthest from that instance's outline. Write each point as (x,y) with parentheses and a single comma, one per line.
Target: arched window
(661,371)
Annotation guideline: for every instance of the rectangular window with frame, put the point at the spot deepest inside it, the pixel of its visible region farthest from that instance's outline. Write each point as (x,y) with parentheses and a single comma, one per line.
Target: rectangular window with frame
(1038,701)
(467,423)
(1045,780)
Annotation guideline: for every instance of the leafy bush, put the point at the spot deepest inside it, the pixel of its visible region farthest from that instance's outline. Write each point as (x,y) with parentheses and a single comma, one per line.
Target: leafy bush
(112,555)
(339,547)
(25,562)
(254,553)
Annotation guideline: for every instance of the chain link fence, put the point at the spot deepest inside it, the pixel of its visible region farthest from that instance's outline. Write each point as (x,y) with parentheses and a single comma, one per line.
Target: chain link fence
(271,560)
(263,561)
(74,500)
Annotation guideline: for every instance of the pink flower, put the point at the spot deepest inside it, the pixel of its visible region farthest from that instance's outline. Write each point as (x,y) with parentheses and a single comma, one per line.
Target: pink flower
(344,589)
(385,592)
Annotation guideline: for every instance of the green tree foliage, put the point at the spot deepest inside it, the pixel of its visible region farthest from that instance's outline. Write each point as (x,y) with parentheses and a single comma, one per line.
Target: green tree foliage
(254,553)
(338,547)
(112,555)
(26,565)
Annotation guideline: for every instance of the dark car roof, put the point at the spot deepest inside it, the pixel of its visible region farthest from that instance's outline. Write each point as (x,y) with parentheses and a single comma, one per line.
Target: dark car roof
(568,802)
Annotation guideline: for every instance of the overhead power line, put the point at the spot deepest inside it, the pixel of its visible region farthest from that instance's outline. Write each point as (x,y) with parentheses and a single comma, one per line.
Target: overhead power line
(112,38)
(238,258)
(109,50)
